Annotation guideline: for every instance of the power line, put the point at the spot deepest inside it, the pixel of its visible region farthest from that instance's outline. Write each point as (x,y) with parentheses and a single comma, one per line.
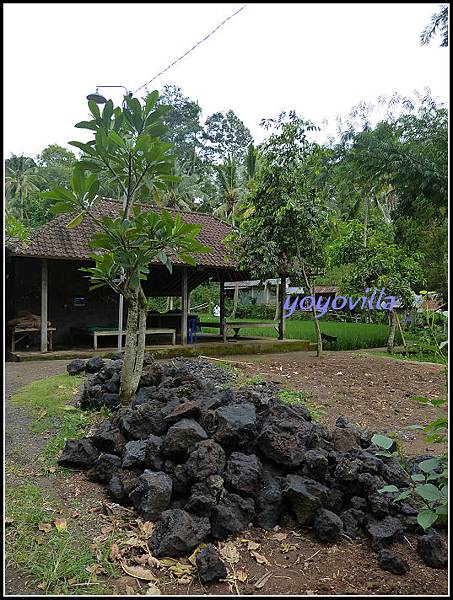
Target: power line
(191,49)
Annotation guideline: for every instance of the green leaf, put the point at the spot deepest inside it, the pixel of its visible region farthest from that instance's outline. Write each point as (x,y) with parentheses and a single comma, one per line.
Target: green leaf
(429,465)
(388,489)
(76,221)
(418,477)
(426,518)
(86,125)
(382,441)
(151,100)
(403,495)
(429,492)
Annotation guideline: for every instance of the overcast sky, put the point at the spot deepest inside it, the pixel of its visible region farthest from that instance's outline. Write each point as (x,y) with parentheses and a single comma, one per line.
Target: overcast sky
(319,59)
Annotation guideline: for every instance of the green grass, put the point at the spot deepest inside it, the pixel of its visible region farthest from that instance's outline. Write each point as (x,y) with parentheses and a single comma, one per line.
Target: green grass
(416,356)
(50,402)
(351,336)
(295,397)
(57,561)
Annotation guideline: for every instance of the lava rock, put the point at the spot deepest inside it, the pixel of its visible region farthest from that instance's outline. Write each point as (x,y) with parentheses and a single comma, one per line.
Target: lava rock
(352,519)
(151,376)
(152,494)
(184,410)
(108,438)
(358,503)
(181,479)
(380,504)
(181,438)
(345,438)
(384,532)
(433,550)
(327,525)
(208,458)
(316,464)
(236,426)
(269,506)
(178,532)
(231,515)
(394,474)
(201,500)
(110,400)
(305,495)
(94,364)
(103,469)
(138,423)
(113,384)
(210,566)
(243,474)
(392,563)
(134,454)
(80,454)
(143,395)
(342,421)
(76,366)
(121,485)
(285,436)
(153,457)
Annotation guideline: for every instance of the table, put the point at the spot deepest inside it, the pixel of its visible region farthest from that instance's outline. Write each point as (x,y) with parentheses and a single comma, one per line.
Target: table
(102,332)
(23,333)
(238,325)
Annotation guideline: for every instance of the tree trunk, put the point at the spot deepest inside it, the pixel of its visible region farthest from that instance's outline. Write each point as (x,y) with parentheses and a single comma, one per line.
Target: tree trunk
(403,339)
(134,350)
(315,320)
(392,330)
(365,230)
(277,294)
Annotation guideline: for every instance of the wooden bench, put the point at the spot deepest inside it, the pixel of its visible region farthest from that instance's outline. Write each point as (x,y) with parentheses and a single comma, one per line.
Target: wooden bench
(238,325)
(19,333)
(96,333)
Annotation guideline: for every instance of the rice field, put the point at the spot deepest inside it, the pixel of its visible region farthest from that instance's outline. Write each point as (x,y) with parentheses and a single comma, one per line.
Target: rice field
(350,336)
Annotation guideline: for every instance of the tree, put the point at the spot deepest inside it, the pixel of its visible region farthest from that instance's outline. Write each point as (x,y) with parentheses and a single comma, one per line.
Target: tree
(438,24)
(285,230)
(378,265)
(184,129)
(185,194)
(225,134)
(22,180)
(15,230)
(128,150)
(230,188)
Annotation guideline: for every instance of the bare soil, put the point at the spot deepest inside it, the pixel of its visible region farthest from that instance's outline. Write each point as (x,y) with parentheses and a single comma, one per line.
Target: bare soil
(371,391)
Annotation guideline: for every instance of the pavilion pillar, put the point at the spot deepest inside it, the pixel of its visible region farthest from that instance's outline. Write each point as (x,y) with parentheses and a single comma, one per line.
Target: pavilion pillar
(44,297)
(222,310)
(184,306)
(281,304)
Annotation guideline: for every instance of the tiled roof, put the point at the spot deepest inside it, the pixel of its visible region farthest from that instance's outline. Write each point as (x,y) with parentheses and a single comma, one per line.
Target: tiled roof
(56,240)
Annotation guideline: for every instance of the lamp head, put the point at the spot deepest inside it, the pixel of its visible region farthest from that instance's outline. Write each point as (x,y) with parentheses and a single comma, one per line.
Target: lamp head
(97,97)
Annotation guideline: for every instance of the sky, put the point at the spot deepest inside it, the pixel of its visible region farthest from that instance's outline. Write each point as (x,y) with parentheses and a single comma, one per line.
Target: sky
(318,59)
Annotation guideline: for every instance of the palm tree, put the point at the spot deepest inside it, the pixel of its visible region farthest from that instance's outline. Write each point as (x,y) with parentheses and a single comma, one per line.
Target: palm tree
(251,164)
(182,194)
(230,188)
(21,180)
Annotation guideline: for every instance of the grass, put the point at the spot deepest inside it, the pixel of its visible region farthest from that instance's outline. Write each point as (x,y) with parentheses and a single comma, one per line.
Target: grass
(295,397)
(57,561)
(351,336)
(49,400)
(416,356)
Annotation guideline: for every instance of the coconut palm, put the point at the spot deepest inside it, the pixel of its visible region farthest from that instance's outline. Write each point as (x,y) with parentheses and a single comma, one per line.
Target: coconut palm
(183,194)
(231,190)
(21,180)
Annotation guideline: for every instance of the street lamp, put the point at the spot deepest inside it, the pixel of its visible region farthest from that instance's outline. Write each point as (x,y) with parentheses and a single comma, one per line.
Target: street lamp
(100,99)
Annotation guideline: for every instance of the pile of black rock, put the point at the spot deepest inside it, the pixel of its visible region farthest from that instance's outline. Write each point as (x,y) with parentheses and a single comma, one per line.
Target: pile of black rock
(204,460)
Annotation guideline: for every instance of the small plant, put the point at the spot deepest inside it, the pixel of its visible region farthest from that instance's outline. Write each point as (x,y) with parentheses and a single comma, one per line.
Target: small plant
(429,489)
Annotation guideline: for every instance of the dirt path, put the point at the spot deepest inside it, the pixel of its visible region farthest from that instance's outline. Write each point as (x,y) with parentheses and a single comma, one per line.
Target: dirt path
(370,391)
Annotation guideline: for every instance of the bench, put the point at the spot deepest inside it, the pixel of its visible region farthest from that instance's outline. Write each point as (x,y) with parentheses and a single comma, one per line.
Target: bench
(19,333)
(238,325)
(102,332)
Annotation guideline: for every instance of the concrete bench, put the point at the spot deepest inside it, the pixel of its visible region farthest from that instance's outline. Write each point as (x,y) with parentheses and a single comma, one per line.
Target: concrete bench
(96,333)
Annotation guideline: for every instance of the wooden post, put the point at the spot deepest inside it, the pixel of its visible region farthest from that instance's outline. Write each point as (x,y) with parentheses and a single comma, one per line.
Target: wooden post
(184,306)
(44,293)
(281,324)
(222,310)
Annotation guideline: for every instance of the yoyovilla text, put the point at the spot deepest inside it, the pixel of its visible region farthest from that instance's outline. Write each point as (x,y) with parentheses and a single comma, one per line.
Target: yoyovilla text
(307,303)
